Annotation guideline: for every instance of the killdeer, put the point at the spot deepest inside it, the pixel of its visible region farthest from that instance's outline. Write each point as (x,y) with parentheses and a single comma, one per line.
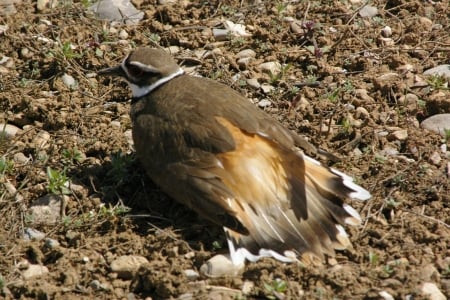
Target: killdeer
(211,149)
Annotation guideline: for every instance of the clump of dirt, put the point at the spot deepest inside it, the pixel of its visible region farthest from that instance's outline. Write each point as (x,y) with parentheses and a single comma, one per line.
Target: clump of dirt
(353,85)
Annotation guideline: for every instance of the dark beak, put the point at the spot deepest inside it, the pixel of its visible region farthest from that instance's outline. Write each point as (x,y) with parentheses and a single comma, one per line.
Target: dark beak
(113,71)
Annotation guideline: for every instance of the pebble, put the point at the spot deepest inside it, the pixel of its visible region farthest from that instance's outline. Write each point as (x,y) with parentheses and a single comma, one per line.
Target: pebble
(20,158)
(435,158)
(129,137)
(441,70)
(220,266)
(437,123)
(43,4)
(191,275)
(115,124)
(220,34)
(361,113)
(244,62)
(127,265)
(264,103)
(3,28)
(46,209)
(51,243)
(399,135)
(69,81)
(236,29)
(246,53)
(31,234)
(432,292)
(123,34)
(386,31)
(9,131)
(267,88)
(385,295)
(271,67)
(253,82)
(41,139)
(368,11)
(247,287)
(117,10)
(34,271)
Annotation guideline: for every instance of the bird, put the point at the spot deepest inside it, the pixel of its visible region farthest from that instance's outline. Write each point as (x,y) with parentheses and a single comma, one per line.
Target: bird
(213,150)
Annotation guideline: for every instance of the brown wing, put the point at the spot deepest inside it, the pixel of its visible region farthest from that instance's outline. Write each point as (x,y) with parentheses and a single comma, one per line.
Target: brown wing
(236,166)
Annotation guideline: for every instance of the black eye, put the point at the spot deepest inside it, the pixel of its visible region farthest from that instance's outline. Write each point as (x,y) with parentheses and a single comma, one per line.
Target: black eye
(135,71)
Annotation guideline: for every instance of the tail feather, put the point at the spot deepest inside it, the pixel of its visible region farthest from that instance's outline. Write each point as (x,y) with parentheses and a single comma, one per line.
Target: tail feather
(305,221)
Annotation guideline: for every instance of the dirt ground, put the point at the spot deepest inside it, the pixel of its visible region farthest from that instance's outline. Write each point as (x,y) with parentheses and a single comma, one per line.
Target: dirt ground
(347,82)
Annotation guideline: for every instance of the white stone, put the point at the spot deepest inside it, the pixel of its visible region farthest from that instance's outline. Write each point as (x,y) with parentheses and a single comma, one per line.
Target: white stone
(430,290)
(117,10)
(9,131)
(33,234)
(253,82)
(385,295)
(236,29)
(127,265)
(437,123)
(264,103)
(435,158)
(267,88)
(399,135)
(69,81)
(191,275)
(20,158)
(271,67)
(34,271)
(123,34)
(368,11)
(441,70)
(220,266)
(41,139)
(386,31)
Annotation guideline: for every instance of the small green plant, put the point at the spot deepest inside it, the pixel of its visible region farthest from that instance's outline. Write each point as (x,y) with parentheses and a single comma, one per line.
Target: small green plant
(217,245)
(6,166)
(346,125)
(120,164)
(274,78)
(112,211)
(72,155)
(446,134)
(437,82)
(58,181)
(333,96)
(373,258)
(155,38)
(275,288)
(391,203)
(388,269)
(281,8)
(67,51)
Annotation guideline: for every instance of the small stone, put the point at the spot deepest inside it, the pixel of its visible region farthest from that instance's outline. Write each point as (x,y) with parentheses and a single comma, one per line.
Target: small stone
(247,287)
(435,158)
(40,141)
(220,266)
(385,295)
(386,31)
(399,135)
(432,292)
(191,275)
(221,34)
(368,11)
(127,265)
(443,148)
(253,82)
(426,23)
(123,34)
(244,62)
(271,67)
(437,123)
(4,27)
(44,4)
(246,53)
(34,271)
(69,81)
(8,131)
(46,209)
(117,10)
(264,103)
(237,30)
(115,124)
(31,234)
(51,243)
(20,158)
(267,88)
(441,70)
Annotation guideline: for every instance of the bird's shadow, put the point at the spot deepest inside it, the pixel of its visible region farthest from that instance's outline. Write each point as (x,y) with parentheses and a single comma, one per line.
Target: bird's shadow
(121,180)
